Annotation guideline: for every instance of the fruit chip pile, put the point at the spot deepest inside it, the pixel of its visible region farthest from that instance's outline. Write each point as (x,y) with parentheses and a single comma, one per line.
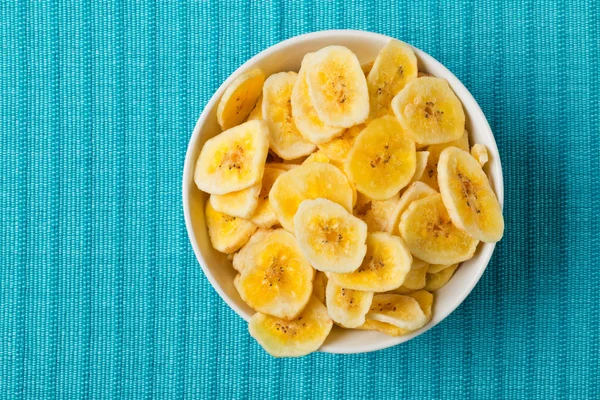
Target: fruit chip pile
(344,194)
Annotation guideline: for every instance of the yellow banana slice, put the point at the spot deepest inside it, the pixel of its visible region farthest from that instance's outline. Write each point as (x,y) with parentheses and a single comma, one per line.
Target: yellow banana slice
(329,236)
(415,279)
(310,181)
(430,174)
(401,311)
(376,213)
(256,112)
(347,307)
(233,160)
(439,280)
(295,338)
(241,259)
(276,279)
(416,190)
(435,268)
(240,98)
(320,286)
(429,111)
(227,233)
(394,67)
(305,117)
(382,327)
(384,267)
(466,192)
(382,160)
(264,216)
(320,156)
(430,235)
(421,164)
(480,153)
(237,204)
(337,87)
(338,148)
(285,139)
(425,300)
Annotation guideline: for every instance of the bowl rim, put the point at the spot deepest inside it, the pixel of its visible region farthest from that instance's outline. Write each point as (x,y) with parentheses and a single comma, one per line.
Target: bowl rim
(455,83)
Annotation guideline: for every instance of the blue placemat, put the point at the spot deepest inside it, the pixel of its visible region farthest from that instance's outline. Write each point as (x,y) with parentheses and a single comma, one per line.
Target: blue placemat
(100,294)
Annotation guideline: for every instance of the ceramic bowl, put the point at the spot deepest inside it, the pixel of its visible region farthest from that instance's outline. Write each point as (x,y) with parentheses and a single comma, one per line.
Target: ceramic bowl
(287,56)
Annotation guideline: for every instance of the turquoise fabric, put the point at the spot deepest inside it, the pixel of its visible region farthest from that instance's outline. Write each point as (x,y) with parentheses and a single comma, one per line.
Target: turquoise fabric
(100,293)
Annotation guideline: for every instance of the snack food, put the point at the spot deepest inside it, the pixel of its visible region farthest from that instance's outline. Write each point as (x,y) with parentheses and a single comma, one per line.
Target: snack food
(275,278)
(305,116)
(284,138)
(331,239)
(307,182)
(233,160)
(382,160)
(240,98)
(430,234)
(337,87)
(394,67)
(349,196)
(468,196)
(292,338)
(347,307)
(384,266)
(429,111)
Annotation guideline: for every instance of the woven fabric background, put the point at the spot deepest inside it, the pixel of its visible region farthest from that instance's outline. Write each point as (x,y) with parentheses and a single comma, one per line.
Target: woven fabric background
(100,293)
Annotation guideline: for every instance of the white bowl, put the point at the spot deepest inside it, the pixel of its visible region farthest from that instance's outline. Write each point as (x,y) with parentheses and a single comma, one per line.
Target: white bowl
(286,56)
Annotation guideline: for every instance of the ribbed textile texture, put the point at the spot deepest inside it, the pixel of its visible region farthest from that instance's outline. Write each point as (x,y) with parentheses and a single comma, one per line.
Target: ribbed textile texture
(100,293)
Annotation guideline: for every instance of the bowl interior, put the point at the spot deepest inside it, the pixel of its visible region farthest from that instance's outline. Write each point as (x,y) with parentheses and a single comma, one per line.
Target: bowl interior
(287,56)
